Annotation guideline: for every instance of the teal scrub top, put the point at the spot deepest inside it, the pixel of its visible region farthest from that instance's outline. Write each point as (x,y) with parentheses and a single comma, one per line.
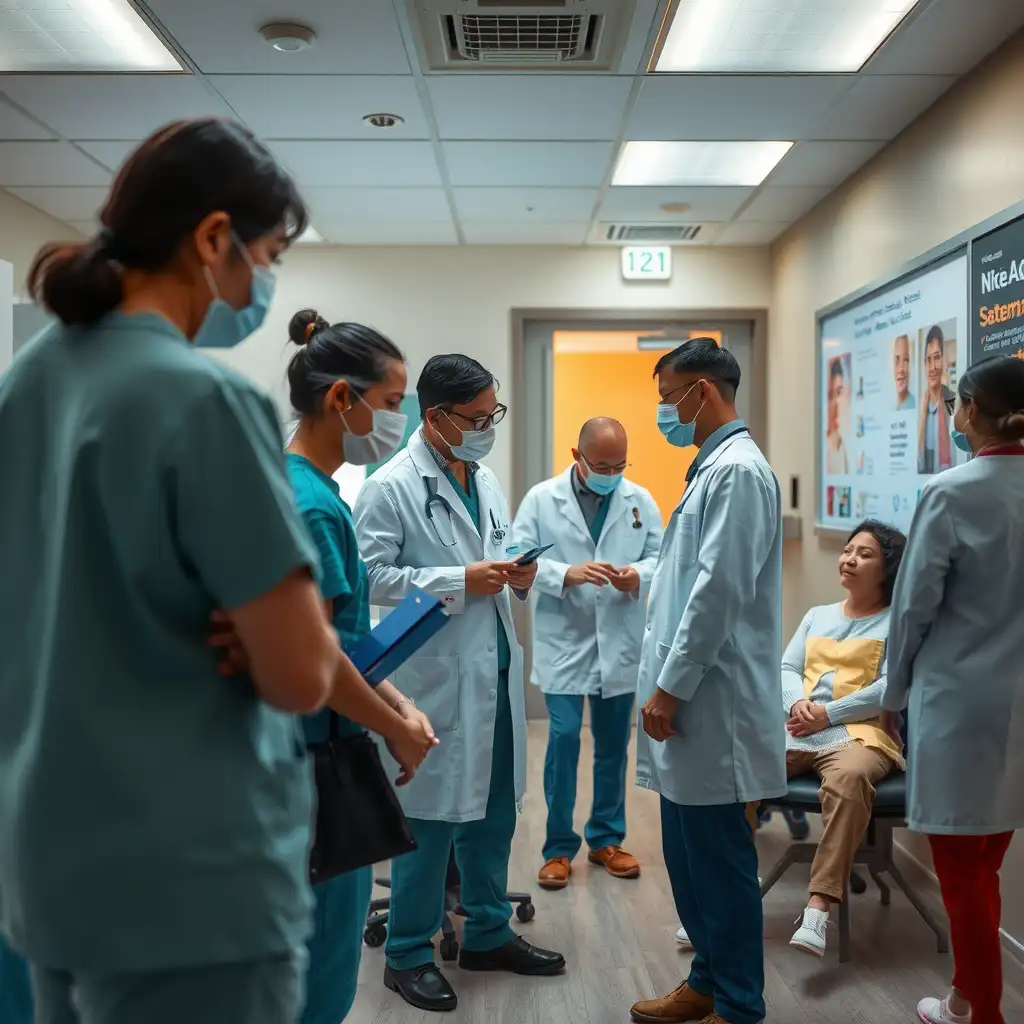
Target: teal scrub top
(153,815)
(470,498)
(344,579)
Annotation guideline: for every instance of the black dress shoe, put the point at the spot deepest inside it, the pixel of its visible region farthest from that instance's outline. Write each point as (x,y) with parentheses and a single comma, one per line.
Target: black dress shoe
(516,956)
(424,987)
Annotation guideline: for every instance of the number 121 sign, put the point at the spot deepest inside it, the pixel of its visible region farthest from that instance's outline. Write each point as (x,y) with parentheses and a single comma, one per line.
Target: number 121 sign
(646,263)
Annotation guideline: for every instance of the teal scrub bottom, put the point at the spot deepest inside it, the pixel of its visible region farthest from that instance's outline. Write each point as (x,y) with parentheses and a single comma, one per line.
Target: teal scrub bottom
(258,992)
(15,990)
(611,721)
(336,946)
(482,850)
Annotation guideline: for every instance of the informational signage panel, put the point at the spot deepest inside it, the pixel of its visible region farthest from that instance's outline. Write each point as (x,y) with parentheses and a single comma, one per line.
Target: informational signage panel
(887,377)
(997,267)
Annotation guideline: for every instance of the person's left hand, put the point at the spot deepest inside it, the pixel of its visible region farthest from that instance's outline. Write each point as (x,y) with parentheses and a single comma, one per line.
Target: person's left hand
(891,723)
(626,580)
(521,577)
(232,658)
(813,719)
(657,715)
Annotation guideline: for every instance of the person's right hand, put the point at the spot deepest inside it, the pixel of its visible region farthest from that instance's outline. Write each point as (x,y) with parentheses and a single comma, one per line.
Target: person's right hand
(485,579)
(411,746)
(802,711)
(596,573)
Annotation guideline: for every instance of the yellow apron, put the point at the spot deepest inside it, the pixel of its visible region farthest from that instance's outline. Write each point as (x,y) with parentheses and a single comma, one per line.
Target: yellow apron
(855,662)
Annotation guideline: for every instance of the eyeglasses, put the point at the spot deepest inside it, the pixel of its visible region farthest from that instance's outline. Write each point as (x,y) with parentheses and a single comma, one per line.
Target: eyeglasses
(603,469)
(492,419)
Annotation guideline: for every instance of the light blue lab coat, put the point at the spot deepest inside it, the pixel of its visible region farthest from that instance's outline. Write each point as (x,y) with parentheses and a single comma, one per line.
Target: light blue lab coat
(454,677)
(586,639)
(714,633)
(955,653)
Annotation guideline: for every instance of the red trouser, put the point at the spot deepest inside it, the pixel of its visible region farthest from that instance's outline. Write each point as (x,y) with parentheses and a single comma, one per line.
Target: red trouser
(968,870)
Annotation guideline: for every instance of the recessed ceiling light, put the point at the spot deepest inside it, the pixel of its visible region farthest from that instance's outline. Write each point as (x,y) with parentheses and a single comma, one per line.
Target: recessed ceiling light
(697,163)
(81,35)
(785,36)
(287,37)
(383,120)
(310,237)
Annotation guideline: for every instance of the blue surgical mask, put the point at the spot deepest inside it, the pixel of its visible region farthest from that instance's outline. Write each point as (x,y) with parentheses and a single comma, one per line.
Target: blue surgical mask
(601,483)
(476,445)
(224,326)
(680,435)
(961,441)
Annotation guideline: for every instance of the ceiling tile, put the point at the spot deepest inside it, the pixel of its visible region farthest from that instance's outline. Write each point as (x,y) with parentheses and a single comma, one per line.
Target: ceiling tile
(554,107)
(524,233)
(324,106)
(499,204)
(14,124)
(749,107)
(84,227)
(822,163)
(356,36)
(573,164)
(111,106)
(645,204)
(67,204)
(47,163)
(376,205)
(785,203)
(110,154)
(346,233)
(368,164)
(880,106)
(939,41)
(754,233)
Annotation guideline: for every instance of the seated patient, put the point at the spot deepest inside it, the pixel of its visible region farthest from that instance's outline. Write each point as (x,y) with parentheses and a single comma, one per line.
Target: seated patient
(833,680)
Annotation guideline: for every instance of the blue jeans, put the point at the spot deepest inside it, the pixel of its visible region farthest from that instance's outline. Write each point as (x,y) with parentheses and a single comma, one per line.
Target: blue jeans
(611,719)
(712,865)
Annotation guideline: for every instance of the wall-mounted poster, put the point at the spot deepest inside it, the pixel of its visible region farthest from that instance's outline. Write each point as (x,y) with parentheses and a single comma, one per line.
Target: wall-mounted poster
(887,383)
(997,267)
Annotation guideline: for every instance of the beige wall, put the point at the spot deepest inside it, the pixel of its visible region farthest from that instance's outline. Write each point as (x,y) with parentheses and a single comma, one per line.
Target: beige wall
(962,162)
(23,230)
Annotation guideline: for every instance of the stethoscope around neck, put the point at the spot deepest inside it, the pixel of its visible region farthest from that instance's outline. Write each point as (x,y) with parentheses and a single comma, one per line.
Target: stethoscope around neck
(439,501)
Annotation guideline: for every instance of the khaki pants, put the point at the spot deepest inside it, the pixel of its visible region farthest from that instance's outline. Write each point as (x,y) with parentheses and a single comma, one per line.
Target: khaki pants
(848,776)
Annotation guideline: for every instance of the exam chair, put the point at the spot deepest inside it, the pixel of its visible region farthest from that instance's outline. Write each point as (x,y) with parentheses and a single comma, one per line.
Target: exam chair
(876,852)
(377,921)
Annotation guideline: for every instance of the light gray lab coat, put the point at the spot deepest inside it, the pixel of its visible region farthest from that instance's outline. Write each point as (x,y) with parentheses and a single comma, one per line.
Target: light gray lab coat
(956,654)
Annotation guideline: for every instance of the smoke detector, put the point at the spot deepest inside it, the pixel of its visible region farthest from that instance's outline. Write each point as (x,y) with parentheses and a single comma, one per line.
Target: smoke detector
(288,38)
(383,120)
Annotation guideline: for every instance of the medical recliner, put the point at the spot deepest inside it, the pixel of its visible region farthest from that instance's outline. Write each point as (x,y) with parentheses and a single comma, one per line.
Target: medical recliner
(375,934)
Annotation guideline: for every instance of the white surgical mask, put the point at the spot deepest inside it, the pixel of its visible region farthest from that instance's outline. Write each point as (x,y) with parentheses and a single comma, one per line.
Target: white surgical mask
(386,434)
(476,445)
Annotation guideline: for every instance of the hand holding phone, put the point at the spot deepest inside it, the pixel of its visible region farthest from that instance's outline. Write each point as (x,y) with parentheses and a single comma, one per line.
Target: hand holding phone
(531,556)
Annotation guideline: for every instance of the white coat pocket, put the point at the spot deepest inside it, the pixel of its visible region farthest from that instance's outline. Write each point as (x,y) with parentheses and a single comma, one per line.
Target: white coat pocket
(686,539)
(433,683)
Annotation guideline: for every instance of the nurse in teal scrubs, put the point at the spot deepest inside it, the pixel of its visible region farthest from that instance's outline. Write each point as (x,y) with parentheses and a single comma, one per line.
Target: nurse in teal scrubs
(154,815)
(347,383)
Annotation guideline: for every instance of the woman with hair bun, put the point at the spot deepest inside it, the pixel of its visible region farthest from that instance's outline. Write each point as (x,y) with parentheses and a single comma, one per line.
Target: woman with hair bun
(955,665)
(346,383)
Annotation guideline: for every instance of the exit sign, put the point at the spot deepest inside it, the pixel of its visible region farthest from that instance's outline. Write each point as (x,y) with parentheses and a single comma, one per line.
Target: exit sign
(647,263)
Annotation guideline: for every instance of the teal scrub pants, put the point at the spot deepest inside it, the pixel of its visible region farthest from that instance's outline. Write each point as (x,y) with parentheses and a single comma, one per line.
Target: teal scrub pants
(258,992)
(482,850)
(336,946)
(15,990)
(611,720)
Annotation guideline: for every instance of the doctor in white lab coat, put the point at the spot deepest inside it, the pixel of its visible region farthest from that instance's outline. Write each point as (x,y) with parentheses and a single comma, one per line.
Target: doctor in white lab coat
(955,664)
(433,518)
(713,735)
(591,595)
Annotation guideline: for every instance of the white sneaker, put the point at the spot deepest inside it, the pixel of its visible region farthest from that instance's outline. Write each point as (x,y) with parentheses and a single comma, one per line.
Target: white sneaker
(683,939)
(810,936)
(937,1011)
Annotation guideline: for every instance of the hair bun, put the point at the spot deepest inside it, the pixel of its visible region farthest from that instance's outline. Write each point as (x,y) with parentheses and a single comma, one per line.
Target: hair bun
(304,325)
(1012,425)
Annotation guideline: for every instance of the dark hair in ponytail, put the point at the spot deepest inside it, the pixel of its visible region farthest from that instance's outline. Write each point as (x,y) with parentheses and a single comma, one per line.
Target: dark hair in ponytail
(329,353)
(175,179)
(996,386)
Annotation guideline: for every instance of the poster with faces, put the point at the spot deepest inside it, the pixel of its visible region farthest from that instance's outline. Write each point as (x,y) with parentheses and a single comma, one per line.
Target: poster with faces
(887,384)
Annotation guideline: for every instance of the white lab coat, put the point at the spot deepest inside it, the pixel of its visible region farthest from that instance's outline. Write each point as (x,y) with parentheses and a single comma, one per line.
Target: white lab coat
(714,634)
(454,677)
(586,639)
(957,621)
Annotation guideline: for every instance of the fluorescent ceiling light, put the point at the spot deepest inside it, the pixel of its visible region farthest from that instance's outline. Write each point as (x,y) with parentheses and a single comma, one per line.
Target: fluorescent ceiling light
(780,36)
(310,237)
(80,35)
(697,163)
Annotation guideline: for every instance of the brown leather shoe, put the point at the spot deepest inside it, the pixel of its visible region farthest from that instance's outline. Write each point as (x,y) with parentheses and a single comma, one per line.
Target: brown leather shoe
(555,873)
(679,1007)
(616,862)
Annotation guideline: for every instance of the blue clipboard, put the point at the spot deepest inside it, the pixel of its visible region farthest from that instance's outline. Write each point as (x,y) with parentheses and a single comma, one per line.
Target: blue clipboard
(398,636)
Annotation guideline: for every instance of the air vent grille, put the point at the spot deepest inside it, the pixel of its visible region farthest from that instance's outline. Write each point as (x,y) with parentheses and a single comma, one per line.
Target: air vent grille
(652,232)
(505,38)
